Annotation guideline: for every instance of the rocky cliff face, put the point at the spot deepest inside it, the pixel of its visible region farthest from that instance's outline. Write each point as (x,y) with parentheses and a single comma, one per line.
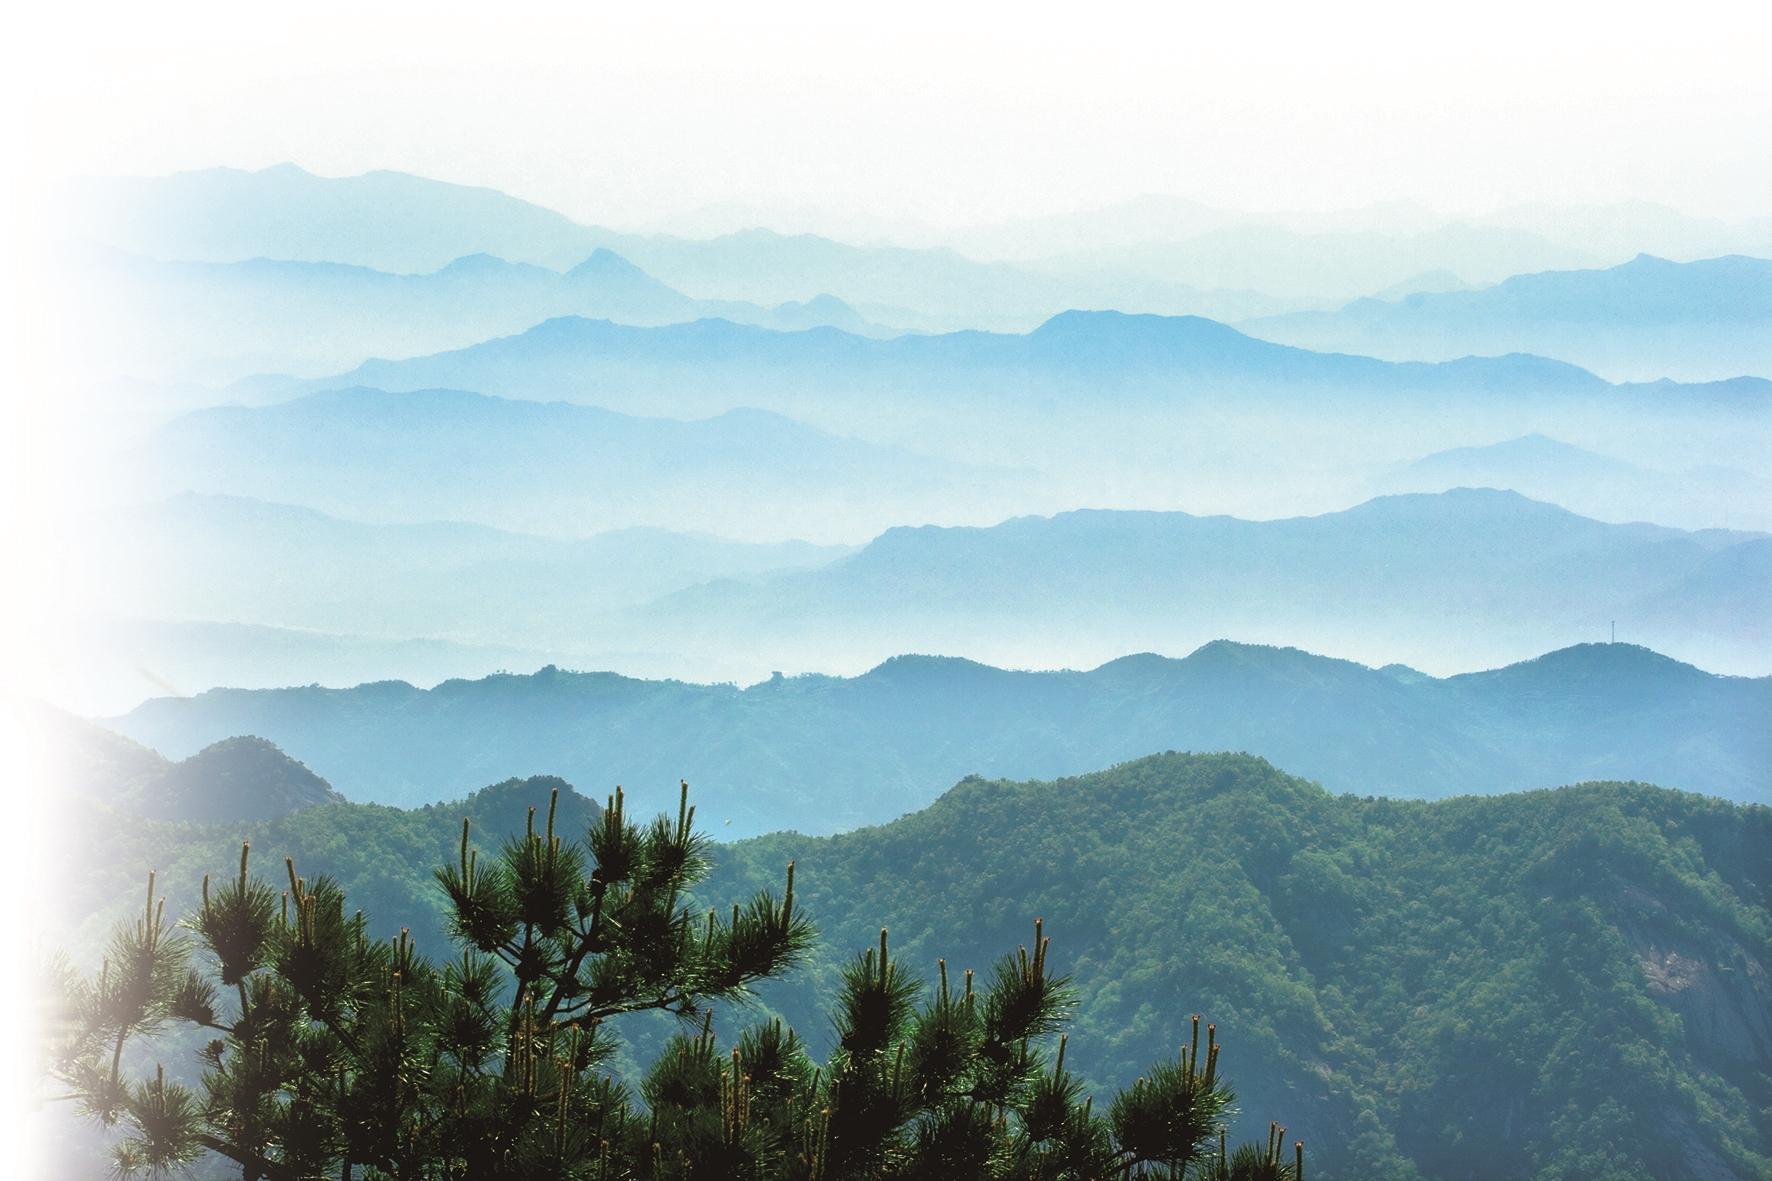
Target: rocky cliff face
(1723,994)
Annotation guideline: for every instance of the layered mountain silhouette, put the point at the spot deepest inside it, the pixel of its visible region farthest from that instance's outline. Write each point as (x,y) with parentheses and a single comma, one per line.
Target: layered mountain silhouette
(1592,483)
(1081,353)
(559,468)
(1455,579)
(1641,320)
(821,753)
(1113,410)
(224,320)
(1153,253)
(1302,264)
(1468,577)
(390,221)
(396,222)
(229,558)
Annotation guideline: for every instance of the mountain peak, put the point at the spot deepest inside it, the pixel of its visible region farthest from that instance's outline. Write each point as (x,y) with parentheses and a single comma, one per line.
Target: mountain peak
(915,668)
(1595,657)
(480,263)
(1463,503)
(606,263)
(1139,326)
(242,778)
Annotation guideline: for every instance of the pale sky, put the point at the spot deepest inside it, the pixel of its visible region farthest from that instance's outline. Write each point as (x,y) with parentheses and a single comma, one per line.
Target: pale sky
(939,113)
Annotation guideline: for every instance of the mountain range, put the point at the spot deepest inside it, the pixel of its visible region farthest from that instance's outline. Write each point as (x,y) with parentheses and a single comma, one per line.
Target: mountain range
(396,222)
(560,468)
(1152,254)
(820,753)
(218,321)
(1112,410)
(216,590)
(1563,983)
(1469,577)
(224,558)
(1642,320)
(1071,350)
(1320,265)
(1593,484)
(1410,985)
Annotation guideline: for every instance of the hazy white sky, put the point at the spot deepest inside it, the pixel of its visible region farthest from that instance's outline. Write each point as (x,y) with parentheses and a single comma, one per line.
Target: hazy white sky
(946,113)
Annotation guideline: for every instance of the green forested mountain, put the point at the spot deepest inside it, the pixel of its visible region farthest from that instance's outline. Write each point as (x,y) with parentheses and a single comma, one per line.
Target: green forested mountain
(1513,986)
(820,754)
(235,779)
(1459,989)
(383,855)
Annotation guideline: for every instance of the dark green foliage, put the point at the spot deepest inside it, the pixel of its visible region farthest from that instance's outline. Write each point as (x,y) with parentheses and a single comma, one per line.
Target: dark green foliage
(1567,984)
(340,1055)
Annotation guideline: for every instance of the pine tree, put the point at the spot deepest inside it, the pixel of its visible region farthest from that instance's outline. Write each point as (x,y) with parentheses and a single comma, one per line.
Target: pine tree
(340,1056)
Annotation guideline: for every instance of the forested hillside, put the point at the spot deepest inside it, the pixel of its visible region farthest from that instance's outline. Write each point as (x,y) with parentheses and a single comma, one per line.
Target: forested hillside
(1466,988)
(1489,987)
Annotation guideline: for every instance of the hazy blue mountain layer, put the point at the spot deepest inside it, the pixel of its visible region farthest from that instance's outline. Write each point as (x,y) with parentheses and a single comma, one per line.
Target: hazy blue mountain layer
(561,468)
(825,753)
(113,662)
(1115,411)
(1073,350)
(249,561)
(1593,484)
(1151,254)
(395,222)
(1461,579)
(1644,319)
(1118,410)
(1456,579)
(220,321)
(1319,265)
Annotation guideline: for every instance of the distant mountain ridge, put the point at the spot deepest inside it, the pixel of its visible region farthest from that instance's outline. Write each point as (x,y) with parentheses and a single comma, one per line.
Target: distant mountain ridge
(1458,579)
(201,556)
(1593,484)
(396,222)
(1079,352)
(1463,577)
(1321,263)
(1644,319)
(225,320)
(556,467)
(823,753)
